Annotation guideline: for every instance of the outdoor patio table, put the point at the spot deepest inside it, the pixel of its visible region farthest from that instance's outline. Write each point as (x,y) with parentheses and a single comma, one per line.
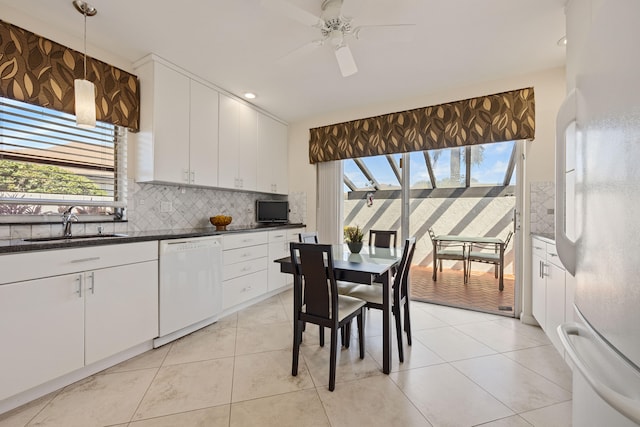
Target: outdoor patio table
(498,242)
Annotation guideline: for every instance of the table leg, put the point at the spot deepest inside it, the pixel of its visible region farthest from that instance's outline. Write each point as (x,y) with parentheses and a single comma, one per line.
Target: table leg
(386,323)
(501,280)
(435,261)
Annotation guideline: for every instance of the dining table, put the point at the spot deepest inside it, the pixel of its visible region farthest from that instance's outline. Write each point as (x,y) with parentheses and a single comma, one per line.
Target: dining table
(370,265)
(452,238)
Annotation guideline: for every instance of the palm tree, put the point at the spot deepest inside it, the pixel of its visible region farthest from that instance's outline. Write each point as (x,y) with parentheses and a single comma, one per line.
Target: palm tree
(458,156)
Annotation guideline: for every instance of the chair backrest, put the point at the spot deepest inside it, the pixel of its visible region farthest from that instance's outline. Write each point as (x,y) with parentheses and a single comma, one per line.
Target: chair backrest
(314,281)
(382,238)
(432,235)
(308,237)
(401,282)
(506,241)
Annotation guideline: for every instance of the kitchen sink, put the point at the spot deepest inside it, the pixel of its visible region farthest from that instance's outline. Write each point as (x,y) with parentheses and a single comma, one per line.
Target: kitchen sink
(72,238)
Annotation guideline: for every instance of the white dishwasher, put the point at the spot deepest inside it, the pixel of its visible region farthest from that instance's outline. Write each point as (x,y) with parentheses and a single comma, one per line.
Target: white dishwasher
(190,285)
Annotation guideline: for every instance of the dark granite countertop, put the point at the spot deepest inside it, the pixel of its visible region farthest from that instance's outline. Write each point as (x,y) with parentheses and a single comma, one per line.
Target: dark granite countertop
(550,237)
(20,245)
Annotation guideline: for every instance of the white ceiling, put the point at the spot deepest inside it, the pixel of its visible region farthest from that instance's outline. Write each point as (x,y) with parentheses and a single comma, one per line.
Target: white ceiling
(239,45)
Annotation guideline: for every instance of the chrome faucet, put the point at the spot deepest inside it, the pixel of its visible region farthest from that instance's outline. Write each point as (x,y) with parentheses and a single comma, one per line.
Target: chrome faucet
(67,219)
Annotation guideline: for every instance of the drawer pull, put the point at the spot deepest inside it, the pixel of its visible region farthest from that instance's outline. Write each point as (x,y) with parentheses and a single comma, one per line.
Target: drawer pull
(79,280)
(537,247)
(92,277)
(95,258)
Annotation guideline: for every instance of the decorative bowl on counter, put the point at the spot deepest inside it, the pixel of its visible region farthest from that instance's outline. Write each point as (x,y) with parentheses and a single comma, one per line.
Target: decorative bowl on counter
(220,221)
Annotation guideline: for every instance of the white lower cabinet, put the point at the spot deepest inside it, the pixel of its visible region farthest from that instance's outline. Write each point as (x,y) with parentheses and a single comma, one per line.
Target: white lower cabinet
(278,248)
(41,331)
(97,306)
(245,274)
(552,290)
(121,309)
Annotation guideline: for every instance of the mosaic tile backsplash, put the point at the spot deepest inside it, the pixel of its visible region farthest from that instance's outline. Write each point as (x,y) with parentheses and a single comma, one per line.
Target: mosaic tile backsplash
(542,207)
(161,207)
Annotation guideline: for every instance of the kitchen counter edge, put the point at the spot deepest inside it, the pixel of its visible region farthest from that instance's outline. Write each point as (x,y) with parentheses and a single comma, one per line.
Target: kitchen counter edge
(19,245)
(547,237)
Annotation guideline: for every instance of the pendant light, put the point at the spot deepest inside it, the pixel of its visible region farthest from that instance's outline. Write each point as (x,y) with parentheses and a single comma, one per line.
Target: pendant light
(85,91)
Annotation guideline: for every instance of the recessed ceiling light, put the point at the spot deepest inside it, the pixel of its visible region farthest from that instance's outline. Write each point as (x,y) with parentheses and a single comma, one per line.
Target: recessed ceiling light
(249,95)
(563,41)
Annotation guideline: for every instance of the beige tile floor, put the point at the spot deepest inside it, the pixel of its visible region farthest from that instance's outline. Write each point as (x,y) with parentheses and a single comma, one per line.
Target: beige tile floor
(463,369)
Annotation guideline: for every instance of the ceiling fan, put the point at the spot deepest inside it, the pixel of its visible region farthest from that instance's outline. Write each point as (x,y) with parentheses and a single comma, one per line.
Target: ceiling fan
(335,30)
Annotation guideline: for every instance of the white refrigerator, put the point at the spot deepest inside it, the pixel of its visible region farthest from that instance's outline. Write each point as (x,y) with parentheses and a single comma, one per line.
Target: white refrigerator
(598,209)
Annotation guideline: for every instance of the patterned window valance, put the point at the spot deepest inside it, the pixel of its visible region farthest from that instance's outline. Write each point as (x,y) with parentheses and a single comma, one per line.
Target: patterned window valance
(38,71)
(501,117)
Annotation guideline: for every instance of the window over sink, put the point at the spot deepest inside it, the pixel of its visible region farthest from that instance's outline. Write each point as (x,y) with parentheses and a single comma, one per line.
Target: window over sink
(47,164)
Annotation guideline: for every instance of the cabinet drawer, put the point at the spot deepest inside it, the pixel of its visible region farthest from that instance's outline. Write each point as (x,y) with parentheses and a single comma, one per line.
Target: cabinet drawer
(278,250)
(241,240)
(552,256)
(277,236)
(244,268)
(539,248)
(234,256)
(241,289)
(54,262)
(292,235)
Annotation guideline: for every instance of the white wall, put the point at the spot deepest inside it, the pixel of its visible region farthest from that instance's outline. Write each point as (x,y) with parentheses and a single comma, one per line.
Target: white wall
(549,86)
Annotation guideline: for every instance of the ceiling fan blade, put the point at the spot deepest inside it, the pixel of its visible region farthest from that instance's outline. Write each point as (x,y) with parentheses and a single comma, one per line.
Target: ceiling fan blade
(299,52)
(385,33)
(345,61)
(292,11)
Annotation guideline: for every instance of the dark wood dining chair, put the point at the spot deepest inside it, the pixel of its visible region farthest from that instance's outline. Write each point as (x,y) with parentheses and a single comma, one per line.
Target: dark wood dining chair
(452,251)
(478,253)
(383,238)
(308,237)
(316,300)
(373,294)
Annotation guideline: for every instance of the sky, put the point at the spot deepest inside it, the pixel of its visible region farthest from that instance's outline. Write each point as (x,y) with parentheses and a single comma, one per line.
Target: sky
(490,172)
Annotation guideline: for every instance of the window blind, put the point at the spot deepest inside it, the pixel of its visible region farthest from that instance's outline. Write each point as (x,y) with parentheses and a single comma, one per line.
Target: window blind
(46,159)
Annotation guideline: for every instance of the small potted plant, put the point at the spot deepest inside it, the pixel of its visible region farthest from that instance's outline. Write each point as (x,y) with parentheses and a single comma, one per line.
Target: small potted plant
(353,236)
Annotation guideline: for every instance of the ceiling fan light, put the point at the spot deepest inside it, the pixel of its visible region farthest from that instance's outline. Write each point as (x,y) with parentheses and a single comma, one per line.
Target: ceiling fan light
(345,61)
(85,103)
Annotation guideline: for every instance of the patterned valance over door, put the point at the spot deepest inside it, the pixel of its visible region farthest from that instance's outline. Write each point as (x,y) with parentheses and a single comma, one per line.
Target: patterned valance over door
(501,117)
(38,71)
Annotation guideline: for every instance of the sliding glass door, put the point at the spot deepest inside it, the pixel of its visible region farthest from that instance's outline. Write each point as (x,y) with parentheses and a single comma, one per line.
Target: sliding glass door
(465,191)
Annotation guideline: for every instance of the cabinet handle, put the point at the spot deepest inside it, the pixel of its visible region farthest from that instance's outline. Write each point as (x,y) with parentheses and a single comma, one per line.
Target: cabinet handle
(544,269)
(92,288)
(553,255)
(185,175)
(537,247)
(79,280)
(193,177)
(95,258)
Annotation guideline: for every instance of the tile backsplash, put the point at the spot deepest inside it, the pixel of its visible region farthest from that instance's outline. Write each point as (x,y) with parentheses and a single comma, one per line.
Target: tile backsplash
(542,207)
(161,207)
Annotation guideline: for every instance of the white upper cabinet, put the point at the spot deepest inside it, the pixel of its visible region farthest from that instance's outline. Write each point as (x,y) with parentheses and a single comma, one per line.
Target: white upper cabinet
(203,159)
(238,156)
(163,141)
(178,139)
(272,156)
(193,134)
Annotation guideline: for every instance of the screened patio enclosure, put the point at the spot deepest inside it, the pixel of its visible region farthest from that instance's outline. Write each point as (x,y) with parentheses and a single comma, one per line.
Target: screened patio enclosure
(466,191)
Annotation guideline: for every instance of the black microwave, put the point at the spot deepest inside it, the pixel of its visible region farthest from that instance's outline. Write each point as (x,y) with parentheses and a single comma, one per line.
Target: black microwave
(272,211)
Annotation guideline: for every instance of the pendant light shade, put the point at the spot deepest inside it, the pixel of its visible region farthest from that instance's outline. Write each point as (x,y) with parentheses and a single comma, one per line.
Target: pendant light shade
(85,92)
